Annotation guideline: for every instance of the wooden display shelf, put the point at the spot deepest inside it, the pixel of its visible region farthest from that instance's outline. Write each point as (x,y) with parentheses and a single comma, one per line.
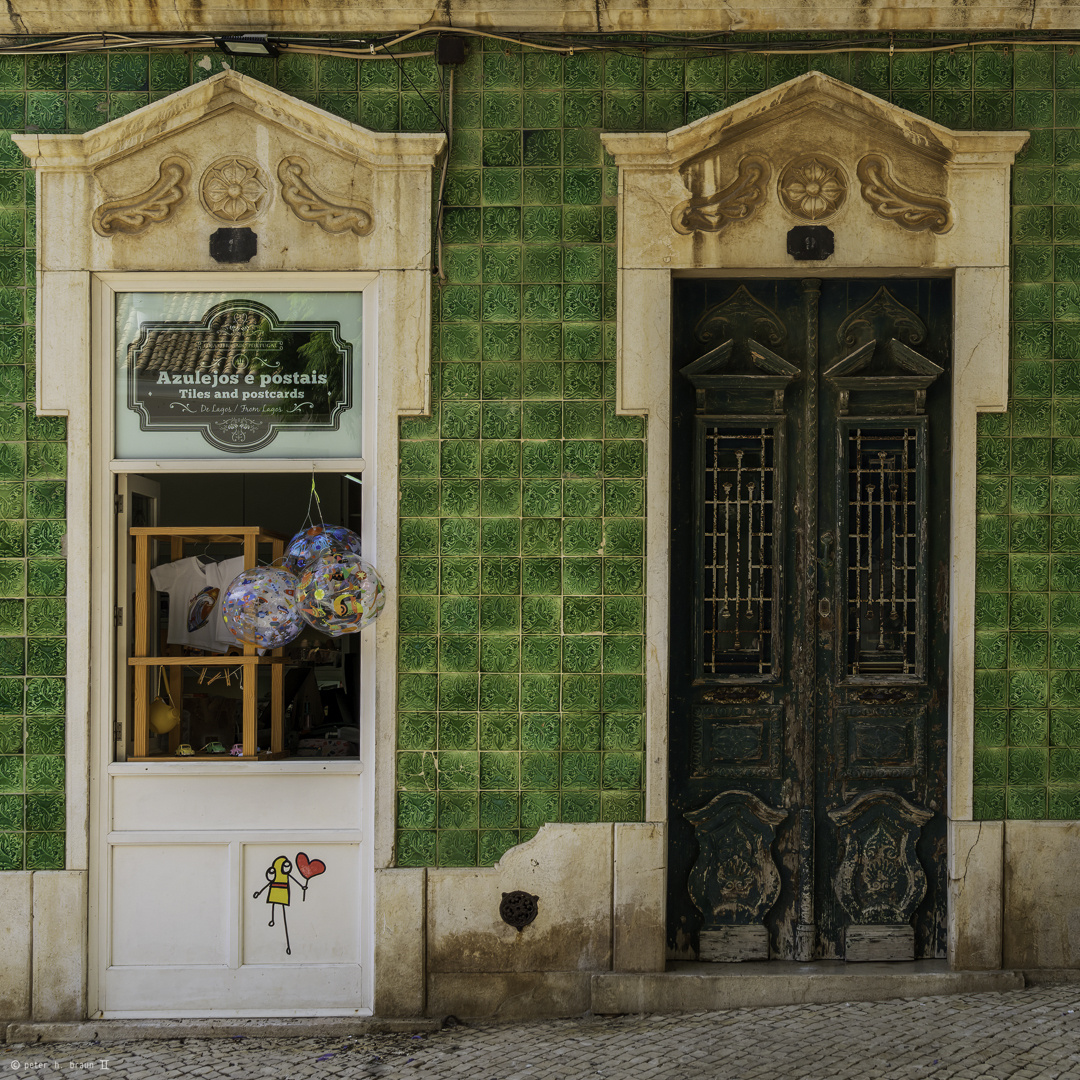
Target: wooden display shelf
(251,537)
(210,757)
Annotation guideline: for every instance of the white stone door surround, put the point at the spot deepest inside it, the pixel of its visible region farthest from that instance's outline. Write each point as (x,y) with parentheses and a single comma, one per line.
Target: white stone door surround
(338,207)
(903,196)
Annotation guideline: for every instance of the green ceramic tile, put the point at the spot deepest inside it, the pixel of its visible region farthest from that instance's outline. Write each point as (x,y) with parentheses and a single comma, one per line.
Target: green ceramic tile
(542,71)
(1033,67)
(11,735)
(11,850)
(417,731)
(457,848)
(415,848)
(1026,803)
(416,810)
(171,71)
(417,691)
(621,806)
(1064,802)
(11,774)
(500,615)
(12,809)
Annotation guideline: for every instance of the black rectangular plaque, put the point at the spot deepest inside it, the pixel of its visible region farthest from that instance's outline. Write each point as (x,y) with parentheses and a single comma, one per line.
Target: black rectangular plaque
(810,242)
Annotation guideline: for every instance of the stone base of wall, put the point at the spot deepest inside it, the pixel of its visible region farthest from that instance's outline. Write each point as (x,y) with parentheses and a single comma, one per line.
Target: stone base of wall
(599,895)
(43,945)
(443,949)
(1041,920)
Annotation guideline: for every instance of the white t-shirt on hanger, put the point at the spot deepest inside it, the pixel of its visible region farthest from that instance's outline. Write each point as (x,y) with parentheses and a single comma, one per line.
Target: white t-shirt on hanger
(196,592)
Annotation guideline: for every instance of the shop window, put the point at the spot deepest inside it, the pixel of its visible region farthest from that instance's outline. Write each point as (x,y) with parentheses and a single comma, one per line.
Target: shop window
(234,420)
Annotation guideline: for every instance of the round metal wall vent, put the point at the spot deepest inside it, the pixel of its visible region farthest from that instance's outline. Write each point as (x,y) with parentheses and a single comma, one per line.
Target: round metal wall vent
(518,909)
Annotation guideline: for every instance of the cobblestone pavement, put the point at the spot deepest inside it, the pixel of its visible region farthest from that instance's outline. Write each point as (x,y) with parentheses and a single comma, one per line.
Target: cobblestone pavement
(1031,1033)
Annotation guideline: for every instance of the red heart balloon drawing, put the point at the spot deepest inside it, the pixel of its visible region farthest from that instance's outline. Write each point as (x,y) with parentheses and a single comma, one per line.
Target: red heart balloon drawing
(309,868)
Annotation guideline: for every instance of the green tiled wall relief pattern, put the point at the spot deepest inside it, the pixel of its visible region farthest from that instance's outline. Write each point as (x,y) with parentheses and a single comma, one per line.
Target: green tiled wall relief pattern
(33,577)
(522,498)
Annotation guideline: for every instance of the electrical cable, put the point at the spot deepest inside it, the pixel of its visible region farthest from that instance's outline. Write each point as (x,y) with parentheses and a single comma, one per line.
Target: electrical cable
(438,118)
(449,129)
(366,50)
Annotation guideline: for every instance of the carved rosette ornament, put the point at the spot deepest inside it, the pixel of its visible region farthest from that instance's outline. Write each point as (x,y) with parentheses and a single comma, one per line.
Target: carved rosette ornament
(880,879)
(138,212)
(232,190)
(735,202)
(735,880)
(911,210)
(812,187)
(309,204)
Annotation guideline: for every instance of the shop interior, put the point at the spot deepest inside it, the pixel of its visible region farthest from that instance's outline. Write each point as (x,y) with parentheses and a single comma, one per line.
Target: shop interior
(300,700)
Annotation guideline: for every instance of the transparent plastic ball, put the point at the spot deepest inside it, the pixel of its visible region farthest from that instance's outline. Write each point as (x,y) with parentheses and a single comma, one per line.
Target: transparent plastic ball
(308,543)
(339,593)
(260,607)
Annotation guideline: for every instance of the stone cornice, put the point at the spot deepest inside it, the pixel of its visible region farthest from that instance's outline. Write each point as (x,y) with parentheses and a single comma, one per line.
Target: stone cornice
(813,91)
(551,16)
(224,91)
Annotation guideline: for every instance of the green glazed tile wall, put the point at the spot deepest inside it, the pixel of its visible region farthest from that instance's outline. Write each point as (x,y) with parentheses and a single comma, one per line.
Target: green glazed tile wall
(522,498)
(33,459)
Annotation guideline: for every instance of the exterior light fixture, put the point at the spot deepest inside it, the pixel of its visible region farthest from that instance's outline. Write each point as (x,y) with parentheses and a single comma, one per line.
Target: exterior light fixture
(246,45)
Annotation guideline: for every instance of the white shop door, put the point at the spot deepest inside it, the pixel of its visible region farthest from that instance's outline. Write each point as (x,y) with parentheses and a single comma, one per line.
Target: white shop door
(196,859)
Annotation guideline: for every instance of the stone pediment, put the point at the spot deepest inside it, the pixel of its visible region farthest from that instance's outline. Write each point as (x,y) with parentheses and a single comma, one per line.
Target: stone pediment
(148,190)
(726,189)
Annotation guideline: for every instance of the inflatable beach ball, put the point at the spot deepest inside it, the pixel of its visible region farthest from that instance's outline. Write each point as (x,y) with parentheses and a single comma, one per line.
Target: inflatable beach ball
(308,543)
(340,593)
(260,607)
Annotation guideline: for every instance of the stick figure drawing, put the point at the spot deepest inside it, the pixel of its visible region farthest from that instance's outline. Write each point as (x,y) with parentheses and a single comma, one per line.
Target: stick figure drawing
(277,888)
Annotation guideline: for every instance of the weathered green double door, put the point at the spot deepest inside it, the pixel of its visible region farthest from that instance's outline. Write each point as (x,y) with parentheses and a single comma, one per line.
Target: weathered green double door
(809,618)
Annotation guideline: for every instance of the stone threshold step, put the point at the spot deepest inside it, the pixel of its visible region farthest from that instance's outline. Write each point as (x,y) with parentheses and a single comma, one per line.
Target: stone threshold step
(695,987)
(22,1032)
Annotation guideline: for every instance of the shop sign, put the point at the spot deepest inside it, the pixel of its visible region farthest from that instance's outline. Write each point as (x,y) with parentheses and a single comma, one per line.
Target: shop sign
(239,375)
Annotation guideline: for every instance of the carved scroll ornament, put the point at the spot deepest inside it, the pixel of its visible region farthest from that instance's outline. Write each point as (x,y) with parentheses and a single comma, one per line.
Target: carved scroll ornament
(139,212)
(309,204)
(736,202)
(911,210)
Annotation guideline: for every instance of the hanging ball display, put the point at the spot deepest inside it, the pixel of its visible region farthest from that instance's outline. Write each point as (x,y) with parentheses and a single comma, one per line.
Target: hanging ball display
(260,607)
(308,543)
(339,593)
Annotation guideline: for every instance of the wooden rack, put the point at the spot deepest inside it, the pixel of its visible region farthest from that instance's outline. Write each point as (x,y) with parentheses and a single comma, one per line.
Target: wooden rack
(251,537)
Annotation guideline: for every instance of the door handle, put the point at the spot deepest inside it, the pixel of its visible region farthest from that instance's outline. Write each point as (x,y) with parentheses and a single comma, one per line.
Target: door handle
(828,544)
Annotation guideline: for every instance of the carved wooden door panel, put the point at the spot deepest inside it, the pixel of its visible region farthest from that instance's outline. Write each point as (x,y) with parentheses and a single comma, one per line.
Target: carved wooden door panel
(809,618)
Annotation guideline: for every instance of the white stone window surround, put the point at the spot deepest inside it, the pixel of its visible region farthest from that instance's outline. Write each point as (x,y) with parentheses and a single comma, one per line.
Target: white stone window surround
(817,114)
(77,267)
